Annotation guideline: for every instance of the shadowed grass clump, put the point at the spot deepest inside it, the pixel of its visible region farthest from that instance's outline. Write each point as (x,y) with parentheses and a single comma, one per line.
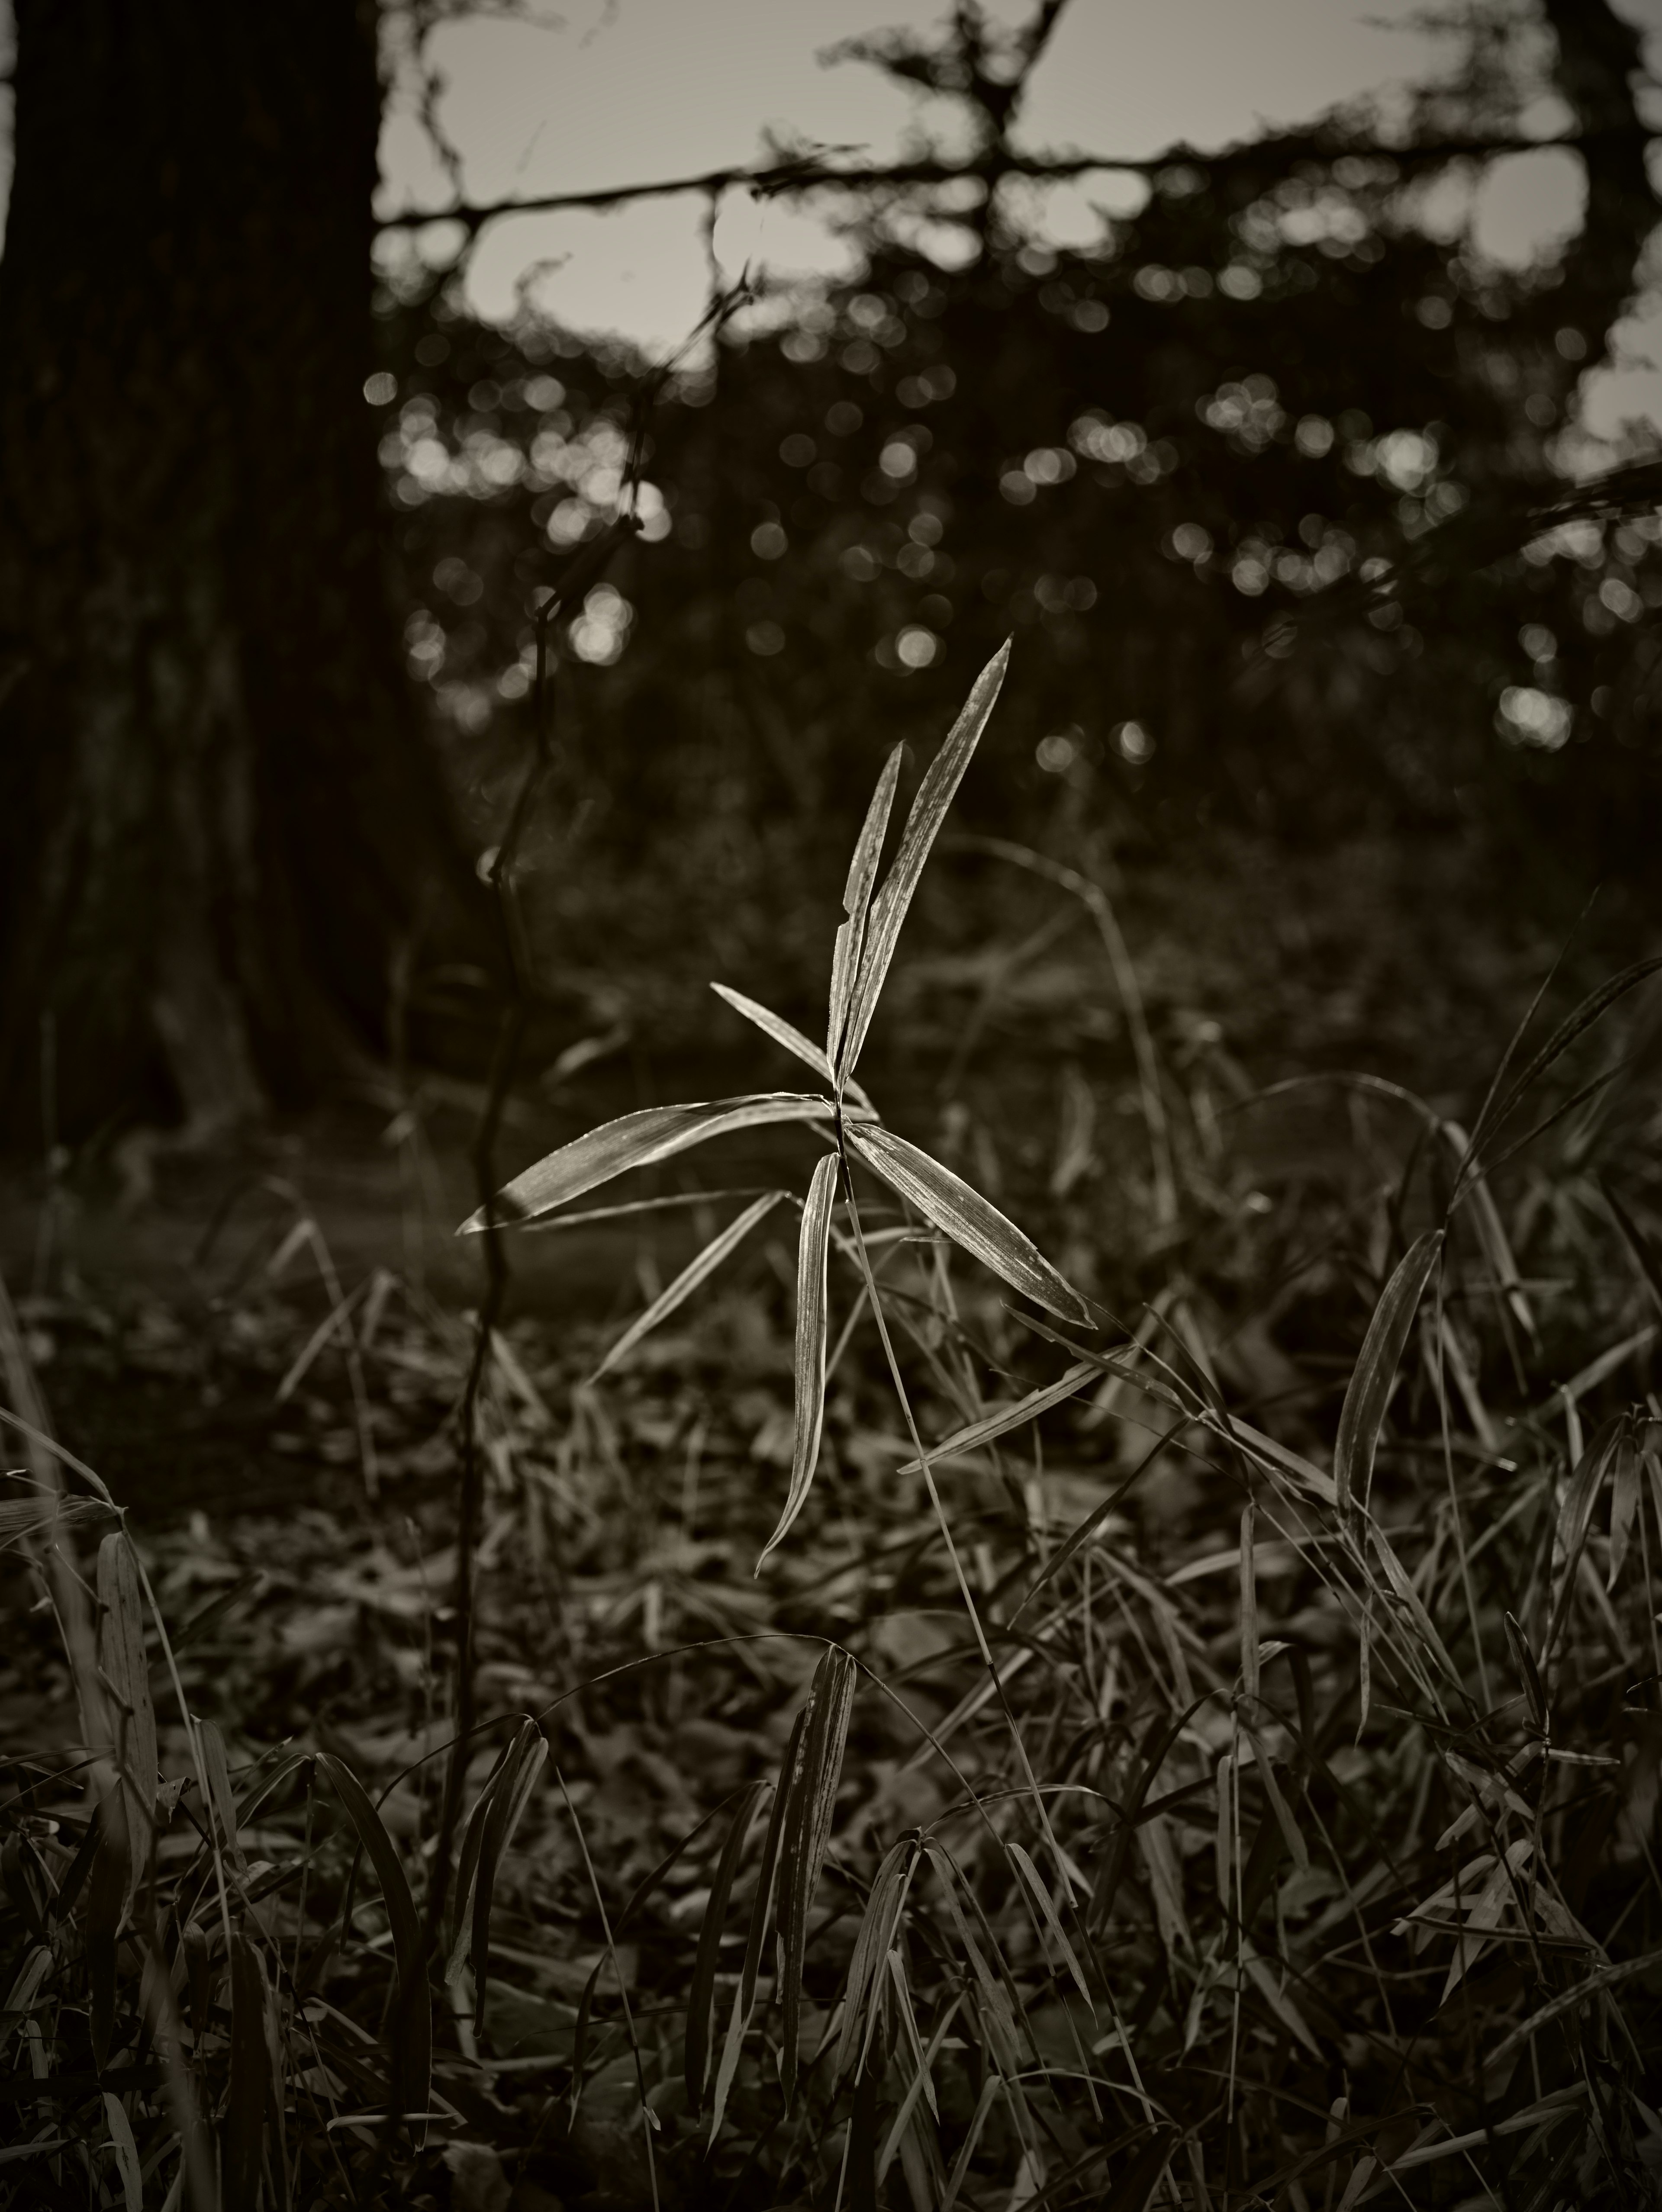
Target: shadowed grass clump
(1191,1738)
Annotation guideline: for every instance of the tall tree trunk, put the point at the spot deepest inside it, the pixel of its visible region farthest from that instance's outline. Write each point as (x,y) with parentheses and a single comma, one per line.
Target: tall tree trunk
(218,817)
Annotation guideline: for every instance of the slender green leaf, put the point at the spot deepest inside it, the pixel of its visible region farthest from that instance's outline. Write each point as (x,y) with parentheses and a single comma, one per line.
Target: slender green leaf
(697,1271)
(637,1140)
(876,1933)
(775,1026)
(1529,1673)
(126,1671)
(1596,1003)
(1002,1418)
(517,1780)
(765,1872)
(935,796)
(244,2103)
(856,902)
(1364,1410)
(1049,1917)
(968,1219)
(807,1833)
(36,1517)
(1624,1502)
(813,1255)
(108,1886)
(467,1867)
(1137,2184)
(1643,1253)
(126,2152)
(701,1996)
(411,2022)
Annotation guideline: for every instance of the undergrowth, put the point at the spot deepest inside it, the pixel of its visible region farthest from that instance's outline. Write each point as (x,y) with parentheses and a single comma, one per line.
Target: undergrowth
(1192,1737)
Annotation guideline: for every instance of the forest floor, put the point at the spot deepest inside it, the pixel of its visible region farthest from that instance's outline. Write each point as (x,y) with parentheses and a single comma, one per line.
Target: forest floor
(263,1352)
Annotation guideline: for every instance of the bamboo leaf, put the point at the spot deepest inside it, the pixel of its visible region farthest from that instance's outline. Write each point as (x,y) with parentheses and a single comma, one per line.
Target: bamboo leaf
(1365,1401)
(1624,1503)
(121,1655)
(856,902)
(1596,1003)
(765,1873)
(812,1256)
(1046,1904)
(637,1140)
(108,1884)
(807,1834)
(775,1026)
(687,1281)
(935,796)
(244,2103)
(1002,1418)
(1524,1660)
(508,1800)
(701,1997)
(411,2020)
(877,1926)
(126,2152)
(969,1219)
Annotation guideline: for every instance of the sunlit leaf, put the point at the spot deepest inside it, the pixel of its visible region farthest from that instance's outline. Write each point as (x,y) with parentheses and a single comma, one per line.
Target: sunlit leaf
(637,1140)
(812,1254)
(968,1219)
(935,796)
(775,1026)
(856,902)
(1363,1412)
(688,1280)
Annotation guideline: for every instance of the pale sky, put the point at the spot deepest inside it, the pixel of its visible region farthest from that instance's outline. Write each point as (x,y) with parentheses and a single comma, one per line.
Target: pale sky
(620,91)
(584,93)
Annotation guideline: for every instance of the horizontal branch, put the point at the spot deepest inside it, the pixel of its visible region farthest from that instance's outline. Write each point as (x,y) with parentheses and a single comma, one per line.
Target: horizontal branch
(787,178)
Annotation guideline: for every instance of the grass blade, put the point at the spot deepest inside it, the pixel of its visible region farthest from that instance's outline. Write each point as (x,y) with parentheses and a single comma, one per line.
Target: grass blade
(515,1785)
(1365,1401)
(126,1672)
(1574,1024)
(877,1926)
(1003,1418)
(411,2023)
(701,1996)
(245,2104)
(775,1026)
(812,1799)
(935,796)
(971,1221)
(637,1140)
(688,1280)
(106,1895)
(813,1255)
(856,902)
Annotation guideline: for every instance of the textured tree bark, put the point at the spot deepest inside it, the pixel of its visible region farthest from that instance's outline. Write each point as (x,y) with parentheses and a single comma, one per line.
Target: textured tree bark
(218,817)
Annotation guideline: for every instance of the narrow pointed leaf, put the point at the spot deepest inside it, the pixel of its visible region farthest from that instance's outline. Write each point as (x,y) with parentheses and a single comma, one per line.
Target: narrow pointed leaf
(775,1026)
(508,1800)
(968,1219)
(877,1926)
(1573,1025)
(637,1140)
(807,1833)
(688,1280)
(701,1998)
(1365,1401)
(121,1655)
(411,2024)
(756,1934)
(1049,1919)
(856,902)
(1003,1418)
(935,796)
(245,2102)
(813,1254)
(467,1867)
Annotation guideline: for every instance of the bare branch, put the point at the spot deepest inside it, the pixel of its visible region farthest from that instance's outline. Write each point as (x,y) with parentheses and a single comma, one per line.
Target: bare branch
(801,175)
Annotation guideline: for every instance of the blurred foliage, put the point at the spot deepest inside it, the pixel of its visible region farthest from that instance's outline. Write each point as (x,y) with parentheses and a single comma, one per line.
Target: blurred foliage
(1265,483)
